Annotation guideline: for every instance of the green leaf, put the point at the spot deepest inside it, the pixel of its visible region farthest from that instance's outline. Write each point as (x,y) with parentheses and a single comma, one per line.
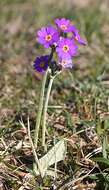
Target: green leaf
(54,155)
(101,159)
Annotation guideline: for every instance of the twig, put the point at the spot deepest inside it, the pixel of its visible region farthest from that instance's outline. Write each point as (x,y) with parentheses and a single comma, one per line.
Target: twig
(64,185)
(55,166)
(94,152)
(33,149)
(81,178)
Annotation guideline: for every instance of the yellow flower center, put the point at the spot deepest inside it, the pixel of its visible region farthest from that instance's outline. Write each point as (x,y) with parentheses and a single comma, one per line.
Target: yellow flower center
(65,48)
(48,37)
(63,27)
(42,64)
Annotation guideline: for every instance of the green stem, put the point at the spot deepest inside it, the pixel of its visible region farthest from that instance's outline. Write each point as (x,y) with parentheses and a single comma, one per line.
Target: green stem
(45,111)
(40,108)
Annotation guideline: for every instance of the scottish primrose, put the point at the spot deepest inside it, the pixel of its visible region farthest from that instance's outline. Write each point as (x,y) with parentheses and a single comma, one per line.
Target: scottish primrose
(63,48)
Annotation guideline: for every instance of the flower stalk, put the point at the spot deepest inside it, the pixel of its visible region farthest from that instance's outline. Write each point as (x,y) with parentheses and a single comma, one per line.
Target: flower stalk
(40,108)
(45,111)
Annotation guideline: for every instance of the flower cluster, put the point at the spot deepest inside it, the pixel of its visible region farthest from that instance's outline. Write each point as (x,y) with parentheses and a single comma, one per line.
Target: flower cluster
(62,44)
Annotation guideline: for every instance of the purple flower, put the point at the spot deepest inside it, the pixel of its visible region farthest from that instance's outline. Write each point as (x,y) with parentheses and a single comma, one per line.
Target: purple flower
(66,63)
(63,24)
(47,36)
(66,48)
(77,36)
(41,63)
